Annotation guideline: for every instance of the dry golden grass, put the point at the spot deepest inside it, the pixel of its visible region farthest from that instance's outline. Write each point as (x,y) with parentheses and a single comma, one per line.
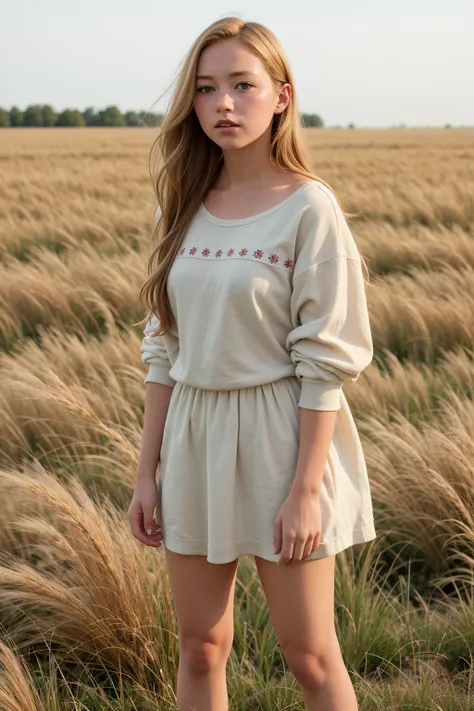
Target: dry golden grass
(77,591)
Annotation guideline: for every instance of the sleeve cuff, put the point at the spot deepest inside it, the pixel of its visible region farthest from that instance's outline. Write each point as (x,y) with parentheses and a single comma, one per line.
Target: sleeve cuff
(159,374)
(317,395)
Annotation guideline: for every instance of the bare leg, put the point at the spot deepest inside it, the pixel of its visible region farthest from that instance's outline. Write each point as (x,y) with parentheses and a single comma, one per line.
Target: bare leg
(203,596)
(300,598)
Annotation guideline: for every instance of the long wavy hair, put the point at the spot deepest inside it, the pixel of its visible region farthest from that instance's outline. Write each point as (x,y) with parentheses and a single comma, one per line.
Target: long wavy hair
(184,162)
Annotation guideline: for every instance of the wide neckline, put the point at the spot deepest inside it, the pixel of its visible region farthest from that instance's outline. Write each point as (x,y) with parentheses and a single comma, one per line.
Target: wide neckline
(230,222)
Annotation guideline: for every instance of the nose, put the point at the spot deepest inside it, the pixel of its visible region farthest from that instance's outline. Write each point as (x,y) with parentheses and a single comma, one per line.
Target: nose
(225,103)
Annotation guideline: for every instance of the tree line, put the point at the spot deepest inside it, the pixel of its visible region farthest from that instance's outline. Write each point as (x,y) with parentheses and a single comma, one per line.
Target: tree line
(45,115)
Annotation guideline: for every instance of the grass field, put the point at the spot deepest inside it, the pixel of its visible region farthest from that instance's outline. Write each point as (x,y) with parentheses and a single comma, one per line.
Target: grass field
(86,612)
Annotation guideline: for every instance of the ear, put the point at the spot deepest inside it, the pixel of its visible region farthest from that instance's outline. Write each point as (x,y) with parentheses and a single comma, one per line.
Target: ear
(284,96)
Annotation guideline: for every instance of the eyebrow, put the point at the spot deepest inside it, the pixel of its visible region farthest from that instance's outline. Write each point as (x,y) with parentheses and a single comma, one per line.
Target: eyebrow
(232,74)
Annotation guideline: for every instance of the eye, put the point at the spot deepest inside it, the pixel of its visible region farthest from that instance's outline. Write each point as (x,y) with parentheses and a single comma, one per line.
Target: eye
(200,90)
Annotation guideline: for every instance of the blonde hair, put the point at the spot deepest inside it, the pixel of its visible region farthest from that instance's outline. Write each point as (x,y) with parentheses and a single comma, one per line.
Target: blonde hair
(186,162)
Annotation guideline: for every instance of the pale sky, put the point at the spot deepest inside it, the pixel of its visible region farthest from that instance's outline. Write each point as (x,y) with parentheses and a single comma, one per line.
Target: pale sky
(374,63)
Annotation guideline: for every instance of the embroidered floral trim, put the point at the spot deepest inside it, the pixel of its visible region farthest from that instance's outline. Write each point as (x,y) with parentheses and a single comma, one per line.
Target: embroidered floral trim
(258,254)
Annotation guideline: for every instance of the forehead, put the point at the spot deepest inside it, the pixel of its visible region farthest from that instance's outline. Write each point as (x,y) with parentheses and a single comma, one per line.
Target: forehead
(227,56)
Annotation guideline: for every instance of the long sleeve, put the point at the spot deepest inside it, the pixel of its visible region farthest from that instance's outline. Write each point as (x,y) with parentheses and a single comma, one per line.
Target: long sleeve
(155,355)
(331,341)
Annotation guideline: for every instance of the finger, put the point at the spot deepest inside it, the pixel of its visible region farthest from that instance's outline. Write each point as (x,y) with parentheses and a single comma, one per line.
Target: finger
(137,525)
(277,536)
(152,541)
(298,549)
(308,548)
(316,542)
(154,532)
(287,550)
(135,516)
(149,524)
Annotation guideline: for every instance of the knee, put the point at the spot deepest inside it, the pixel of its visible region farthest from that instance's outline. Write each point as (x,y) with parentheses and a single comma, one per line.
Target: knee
(202,657)
(312,669)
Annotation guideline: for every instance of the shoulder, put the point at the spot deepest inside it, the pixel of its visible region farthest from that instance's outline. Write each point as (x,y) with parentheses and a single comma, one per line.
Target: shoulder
(323,232)
(319,201)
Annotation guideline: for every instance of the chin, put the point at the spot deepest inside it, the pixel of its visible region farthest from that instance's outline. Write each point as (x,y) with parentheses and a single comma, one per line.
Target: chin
(230,145)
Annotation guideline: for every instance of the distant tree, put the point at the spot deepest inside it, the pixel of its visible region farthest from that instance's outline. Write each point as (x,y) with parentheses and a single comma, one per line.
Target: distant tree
(447,125)
(91,117)
(4,118)
(16,116)
(70,117)
(33,116)
(351,125)
(131,118)
(111,116)
(312,120)
(49,116)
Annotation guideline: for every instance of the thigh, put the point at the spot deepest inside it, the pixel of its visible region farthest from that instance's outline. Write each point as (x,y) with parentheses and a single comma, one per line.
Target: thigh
(203,596)
(300,598)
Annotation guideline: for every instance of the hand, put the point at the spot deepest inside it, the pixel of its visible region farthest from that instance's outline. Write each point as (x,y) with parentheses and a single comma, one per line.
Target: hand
(140,512)
(297,529)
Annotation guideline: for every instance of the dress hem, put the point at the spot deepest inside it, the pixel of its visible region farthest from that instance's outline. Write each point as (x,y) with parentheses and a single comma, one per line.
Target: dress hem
(229,553)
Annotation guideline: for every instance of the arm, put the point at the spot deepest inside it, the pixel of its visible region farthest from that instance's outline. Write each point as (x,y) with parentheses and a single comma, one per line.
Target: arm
(157,398)
(331,342)
(145,495)
(159,386)
(316,432)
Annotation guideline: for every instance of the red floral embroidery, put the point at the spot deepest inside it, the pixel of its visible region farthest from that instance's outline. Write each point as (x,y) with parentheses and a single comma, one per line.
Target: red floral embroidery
(257,254)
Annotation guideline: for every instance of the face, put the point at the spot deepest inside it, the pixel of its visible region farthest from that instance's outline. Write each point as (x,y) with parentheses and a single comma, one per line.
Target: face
(232,84)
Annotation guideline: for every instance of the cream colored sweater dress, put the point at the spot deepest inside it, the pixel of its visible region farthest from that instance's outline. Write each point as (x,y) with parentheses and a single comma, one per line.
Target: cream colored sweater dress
(271,316)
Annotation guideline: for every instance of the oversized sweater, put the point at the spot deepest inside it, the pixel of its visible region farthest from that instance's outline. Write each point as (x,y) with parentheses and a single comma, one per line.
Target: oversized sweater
(265,297)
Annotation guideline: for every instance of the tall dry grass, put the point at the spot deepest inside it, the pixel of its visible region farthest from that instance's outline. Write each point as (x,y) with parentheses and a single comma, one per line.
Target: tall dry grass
(86,612)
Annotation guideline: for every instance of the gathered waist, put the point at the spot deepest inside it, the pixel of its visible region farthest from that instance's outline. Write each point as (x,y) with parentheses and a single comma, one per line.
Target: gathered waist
(181,385)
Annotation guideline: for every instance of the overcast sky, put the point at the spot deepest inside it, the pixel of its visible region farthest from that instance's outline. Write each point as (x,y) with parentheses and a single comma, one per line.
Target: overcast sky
(375,63)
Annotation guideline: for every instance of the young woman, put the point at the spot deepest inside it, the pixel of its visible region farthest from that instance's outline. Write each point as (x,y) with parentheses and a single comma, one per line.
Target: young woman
(257,316)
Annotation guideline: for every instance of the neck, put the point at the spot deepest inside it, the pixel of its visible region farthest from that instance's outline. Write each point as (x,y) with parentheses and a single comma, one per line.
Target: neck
(248,168)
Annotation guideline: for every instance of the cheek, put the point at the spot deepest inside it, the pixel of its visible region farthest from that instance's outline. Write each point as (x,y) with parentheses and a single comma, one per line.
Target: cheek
(202,111)
(198,106)
(260,107)
(261,101)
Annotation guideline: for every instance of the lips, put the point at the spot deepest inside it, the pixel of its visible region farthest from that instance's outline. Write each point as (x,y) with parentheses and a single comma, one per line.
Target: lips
(225,121)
